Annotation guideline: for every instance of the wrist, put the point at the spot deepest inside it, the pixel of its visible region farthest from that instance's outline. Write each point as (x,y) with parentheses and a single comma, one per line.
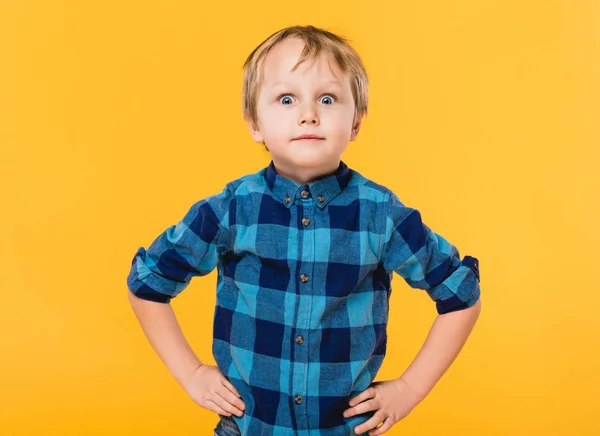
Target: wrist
(419,392)
(185,377)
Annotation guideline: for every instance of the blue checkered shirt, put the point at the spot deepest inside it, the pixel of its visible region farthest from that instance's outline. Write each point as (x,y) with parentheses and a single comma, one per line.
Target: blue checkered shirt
(303,288)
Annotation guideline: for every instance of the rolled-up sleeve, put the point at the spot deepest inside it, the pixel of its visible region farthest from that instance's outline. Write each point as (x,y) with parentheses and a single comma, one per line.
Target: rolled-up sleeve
(426,260)
(184,250)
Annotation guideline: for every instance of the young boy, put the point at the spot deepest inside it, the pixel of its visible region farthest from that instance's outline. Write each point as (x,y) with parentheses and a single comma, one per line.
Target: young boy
(305,251)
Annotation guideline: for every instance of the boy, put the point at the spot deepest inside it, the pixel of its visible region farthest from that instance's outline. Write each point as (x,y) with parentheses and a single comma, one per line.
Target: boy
(305,251)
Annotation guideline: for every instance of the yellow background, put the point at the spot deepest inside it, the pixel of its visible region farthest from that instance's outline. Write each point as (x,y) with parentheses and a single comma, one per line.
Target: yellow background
(115,116)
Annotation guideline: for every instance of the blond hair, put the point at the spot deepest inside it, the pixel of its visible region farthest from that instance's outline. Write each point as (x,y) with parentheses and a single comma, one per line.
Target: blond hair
(316,41)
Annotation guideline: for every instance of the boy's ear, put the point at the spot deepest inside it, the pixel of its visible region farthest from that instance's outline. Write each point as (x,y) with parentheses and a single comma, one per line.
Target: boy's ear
(356,127)
(256,135)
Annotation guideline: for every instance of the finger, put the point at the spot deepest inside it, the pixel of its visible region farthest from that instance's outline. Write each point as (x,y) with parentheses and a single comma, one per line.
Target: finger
(367,393)
(226,404)
(211,405)
(371,423)
(387,424)
(231,398)
(363,407)
(229,386)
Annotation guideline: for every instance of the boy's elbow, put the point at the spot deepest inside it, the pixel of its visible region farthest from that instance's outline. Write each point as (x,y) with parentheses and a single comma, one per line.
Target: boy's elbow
(475,307)
(133,299)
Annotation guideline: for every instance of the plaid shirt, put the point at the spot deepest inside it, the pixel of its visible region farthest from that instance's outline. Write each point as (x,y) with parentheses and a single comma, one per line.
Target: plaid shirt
(303,287)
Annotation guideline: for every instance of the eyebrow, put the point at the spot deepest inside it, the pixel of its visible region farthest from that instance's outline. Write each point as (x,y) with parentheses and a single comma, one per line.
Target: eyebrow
(329,82)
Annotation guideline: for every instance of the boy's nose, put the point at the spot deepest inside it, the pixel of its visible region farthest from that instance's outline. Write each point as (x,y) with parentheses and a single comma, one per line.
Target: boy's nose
(309,116)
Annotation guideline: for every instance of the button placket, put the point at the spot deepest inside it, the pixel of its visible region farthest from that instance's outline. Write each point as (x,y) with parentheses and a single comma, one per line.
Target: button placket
(306,251)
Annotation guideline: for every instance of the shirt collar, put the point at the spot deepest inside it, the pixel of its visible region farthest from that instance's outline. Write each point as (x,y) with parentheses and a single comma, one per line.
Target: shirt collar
(322,191)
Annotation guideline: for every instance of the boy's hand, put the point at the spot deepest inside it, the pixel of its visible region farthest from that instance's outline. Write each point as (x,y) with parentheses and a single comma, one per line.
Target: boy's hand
(392,400)
(209,388)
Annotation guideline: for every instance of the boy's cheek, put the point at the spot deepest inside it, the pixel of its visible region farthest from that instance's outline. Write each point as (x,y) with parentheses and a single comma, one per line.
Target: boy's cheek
(278,131)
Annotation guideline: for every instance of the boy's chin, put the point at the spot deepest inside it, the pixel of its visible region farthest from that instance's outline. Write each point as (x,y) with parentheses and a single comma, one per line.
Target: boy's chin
(311,156)
(310,161)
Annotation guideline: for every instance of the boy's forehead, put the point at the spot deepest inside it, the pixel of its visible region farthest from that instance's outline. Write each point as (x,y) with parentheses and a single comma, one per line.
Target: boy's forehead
(281,59)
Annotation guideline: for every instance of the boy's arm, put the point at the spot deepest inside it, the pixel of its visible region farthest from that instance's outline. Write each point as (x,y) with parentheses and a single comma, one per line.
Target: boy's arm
(185,250)
(443,344)
(160,326)
(190,248)
(428,261)
(164,270)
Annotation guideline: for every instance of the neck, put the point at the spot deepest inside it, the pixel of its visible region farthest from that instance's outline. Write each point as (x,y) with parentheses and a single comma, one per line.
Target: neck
(306,175)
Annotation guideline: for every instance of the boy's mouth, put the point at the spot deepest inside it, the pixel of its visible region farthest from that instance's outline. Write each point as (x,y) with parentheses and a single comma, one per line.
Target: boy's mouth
(308,137)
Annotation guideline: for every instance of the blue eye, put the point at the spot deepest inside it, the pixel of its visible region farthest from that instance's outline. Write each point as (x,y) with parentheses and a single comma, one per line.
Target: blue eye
(285,99)
(327,99)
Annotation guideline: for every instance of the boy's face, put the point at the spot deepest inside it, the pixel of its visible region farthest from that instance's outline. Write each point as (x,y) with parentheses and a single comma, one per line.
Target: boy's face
(315,99)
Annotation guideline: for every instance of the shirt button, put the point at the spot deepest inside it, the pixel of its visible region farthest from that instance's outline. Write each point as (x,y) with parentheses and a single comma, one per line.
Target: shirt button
(287,200)
(299,339)
(298,399)
(304,193)
(303,278)
(320,199)
(306,221)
